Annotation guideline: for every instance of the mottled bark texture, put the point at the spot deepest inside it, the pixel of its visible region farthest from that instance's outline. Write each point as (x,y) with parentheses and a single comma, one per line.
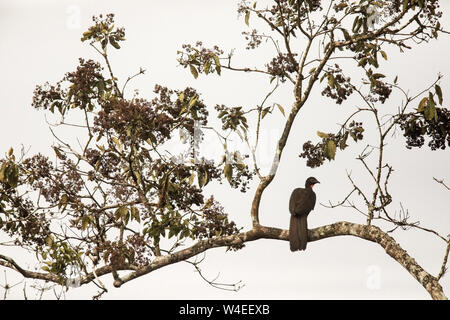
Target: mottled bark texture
(367,232)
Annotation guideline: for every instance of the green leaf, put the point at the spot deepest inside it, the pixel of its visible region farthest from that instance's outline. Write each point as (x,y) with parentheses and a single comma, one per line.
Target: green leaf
(205,179)
(58,153)
(202,177)
(405,4)
(346,34)
(135,214)
(207,66)
(49,240)
(63,202)
(192,101)
(2,172)
(121,212)
(85,222)
(378,75)
(343,141)
(363,61)
(439,93)
(430,111)
(117,143)
(331,80)
(322,134)
(191,179)
(114,43)
(330,150)
(104,43)
(194,71)
(228,172)
(12,175)
(422,104)
(181,97)
(218,65)
(247,17)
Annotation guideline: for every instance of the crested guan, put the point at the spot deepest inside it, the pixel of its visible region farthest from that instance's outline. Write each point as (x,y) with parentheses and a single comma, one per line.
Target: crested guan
(302,201)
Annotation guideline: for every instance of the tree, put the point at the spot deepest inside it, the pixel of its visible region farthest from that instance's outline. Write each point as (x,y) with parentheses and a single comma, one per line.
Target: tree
(83,212)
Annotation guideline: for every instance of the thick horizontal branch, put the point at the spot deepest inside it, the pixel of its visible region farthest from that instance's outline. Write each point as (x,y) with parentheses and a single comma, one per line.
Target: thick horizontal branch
(366,232)
(10,263)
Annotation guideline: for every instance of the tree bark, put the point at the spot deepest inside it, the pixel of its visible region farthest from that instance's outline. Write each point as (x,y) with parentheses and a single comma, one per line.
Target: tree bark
(366,232)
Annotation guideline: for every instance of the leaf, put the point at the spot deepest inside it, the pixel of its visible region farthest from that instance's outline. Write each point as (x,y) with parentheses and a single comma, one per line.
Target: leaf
(343,141)
(151,139)
(330,152)
(378,75)
(228,172)
(422,104)
(85,222)
(264,112)
(58,153)
(430,111)
(218,65)
(49,240)
(117,143)
(405,4)
(114,43)
(384,55)
(191,178)
(135,214)
(247,17)
(331,80)
(322,134)
(46,268)
(281,109)
(207,66)
(194,71)
(192,101)
(2,172)
(202,177)
(104,43)
(395,79)
(10,151)
(181,97)
(12,175)
(205,179)
(63,202)
(439,93)
(121,212)
(346,34)
(363,61)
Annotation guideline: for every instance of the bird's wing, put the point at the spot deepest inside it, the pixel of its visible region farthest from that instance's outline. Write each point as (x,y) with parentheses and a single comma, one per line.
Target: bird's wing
(313,200)
(300,202)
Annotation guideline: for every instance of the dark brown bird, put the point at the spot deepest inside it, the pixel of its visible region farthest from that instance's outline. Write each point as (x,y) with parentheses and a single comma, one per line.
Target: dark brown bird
(301,203)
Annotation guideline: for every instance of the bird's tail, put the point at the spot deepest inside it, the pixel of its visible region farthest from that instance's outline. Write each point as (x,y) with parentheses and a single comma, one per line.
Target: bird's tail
(298,232)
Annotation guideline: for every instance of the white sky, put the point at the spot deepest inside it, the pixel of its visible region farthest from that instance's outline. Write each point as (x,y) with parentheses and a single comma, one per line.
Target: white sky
(40,42)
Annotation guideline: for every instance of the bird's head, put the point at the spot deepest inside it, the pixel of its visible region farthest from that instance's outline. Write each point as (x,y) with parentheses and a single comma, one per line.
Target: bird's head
(310,182)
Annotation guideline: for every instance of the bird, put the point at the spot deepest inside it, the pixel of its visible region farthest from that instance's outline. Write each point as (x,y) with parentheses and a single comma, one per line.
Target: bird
(301,203)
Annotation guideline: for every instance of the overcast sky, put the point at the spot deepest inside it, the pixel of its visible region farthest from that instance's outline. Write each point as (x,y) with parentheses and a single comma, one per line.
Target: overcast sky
(40,41)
